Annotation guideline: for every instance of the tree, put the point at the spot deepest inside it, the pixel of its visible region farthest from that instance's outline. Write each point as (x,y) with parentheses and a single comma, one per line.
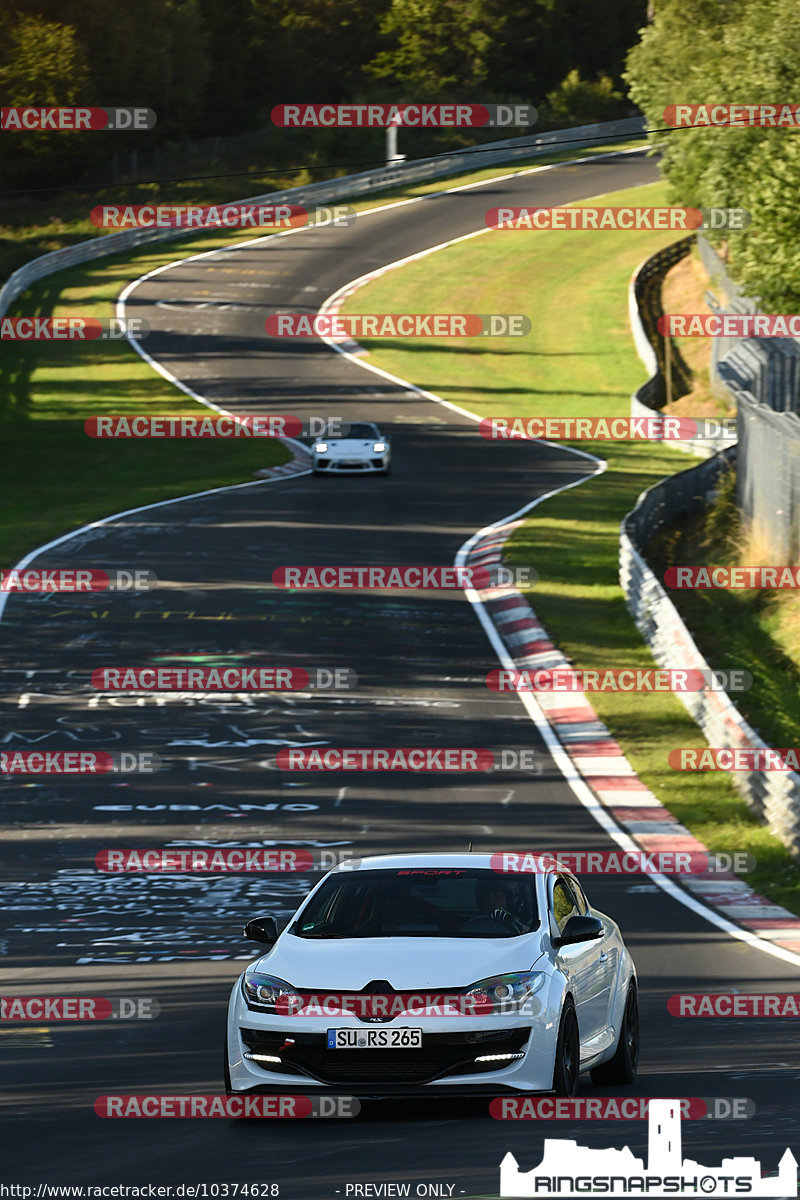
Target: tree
(717,52)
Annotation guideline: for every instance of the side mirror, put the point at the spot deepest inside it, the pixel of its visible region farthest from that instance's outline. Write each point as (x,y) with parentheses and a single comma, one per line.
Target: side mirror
(580,929)
(262,929)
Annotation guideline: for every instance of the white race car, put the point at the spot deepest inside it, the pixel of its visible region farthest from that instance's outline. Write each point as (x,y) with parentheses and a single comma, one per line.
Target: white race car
(424,973)
(363,449)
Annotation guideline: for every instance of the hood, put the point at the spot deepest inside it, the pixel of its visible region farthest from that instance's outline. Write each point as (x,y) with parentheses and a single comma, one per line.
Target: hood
(408,964)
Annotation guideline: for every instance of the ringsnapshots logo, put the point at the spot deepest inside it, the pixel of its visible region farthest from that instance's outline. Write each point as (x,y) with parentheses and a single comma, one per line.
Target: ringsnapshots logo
(619,679)
(606,429)
(78,1008)
(568,1170)
(622,862)
(72,329)
(402,578)
(616,1108)
(70,119)
(224,679)
(411,115)
(204,1107)
(76,579)
(267,425)
(220,216)
(699,116)
(568,217)
(351,327)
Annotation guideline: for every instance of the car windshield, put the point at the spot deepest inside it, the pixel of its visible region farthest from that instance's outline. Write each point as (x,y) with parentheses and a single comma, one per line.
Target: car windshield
(421,902)
(360,429)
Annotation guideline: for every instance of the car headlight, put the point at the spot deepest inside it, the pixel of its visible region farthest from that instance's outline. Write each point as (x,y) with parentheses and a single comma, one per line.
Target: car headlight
(505,993)
(268,994)
(321,448)
(379,447)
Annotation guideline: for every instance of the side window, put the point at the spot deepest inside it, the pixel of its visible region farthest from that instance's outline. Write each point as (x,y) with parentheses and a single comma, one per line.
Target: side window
(564,905)
(580,897)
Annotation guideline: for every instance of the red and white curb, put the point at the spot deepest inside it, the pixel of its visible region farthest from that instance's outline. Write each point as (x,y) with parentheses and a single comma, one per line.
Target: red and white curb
(600,761)
(299,464)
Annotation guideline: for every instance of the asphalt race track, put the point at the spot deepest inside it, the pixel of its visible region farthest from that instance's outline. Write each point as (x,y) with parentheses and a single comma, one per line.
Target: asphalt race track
(421,662)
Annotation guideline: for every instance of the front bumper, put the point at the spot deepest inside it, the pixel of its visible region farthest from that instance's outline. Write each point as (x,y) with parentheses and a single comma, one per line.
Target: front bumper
(446,1060)
(328,465)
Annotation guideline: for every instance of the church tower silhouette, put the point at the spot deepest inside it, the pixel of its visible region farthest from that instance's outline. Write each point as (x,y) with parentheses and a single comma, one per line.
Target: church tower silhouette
(664,1153)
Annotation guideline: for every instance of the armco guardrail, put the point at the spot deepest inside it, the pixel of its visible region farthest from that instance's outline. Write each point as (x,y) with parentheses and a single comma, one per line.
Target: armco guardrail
(580,136)
(644,309)
(774,796)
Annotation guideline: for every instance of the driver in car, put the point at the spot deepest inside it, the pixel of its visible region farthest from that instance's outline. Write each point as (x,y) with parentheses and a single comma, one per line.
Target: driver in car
(496,901)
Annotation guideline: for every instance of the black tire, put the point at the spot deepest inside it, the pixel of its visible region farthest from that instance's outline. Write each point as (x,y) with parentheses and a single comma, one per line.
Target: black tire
(387,470)
(567,1069)
(226,1069)
(622,1067)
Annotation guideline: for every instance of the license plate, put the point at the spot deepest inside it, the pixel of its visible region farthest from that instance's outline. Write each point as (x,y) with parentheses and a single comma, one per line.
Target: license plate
(374,1039)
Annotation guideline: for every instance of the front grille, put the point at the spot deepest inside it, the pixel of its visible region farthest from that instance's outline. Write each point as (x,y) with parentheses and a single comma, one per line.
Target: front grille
(441,1055)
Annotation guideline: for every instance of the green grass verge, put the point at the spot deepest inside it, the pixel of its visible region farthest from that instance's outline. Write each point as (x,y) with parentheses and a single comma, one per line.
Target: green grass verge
(55,477)
(744,628)
(579,360)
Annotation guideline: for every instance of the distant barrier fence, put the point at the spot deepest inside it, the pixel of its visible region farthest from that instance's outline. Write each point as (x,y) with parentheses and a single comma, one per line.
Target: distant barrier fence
(763,376)
(774,796)
(347,186)
(768,476)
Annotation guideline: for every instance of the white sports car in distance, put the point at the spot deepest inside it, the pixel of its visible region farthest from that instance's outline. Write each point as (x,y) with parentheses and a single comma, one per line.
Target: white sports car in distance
(425,973)
(362,450)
